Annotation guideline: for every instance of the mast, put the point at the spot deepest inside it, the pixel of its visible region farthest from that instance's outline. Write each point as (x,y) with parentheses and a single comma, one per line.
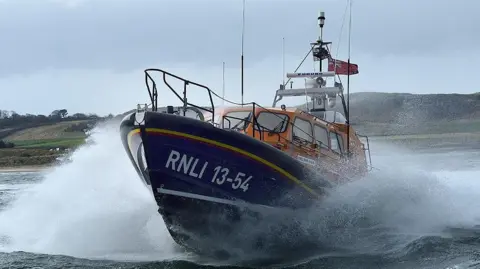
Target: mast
(316,86)
(321,23)
(241,58)
(348,78)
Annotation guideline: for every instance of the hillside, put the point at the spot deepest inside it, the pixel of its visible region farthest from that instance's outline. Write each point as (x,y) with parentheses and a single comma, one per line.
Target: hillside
(404,113)
(50,131)
(405,108)
(39,139)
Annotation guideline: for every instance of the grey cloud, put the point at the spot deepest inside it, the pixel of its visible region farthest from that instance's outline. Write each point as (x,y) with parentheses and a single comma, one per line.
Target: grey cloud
(127,35)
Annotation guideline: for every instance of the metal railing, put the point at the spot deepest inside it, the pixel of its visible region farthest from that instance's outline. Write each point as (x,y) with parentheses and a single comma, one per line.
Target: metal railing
(367,149)
(252,119)
(153,92)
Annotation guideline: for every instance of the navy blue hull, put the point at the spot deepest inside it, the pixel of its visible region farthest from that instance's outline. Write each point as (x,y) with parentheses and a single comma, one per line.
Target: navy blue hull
(205,178)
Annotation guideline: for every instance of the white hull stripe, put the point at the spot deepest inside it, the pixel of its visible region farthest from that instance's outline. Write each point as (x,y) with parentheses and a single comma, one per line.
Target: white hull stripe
(239,203)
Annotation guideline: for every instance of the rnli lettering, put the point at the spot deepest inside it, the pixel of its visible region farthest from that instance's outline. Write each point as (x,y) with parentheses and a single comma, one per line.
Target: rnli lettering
(195,167)
(186,164)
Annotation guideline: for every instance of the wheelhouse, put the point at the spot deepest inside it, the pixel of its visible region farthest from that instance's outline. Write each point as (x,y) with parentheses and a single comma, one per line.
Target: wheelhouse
(289,130)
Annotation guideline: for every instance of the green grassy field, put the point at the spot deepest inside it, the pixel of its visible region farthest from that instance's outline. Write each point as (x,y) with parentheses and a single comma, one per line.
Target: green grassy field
(50,143)
(50,131)
(38,145)
(48,136)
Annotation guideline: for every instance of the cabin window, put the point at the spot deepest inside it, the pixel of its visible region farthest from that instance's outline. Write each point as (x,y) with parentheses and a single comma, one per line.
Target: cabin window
(302,129)
(272,122)
(336,142)
(321,136)
(334,116)
(236,119)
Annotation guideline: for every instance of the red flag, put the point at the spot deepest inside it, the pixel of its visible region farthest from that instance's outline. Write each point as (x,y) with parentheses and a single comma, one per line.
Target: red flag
(342,67)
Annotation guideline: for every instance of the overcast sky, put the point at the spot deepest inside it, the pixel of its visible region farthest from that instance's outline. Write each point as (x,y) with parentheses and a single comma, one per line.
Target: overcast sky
(89,55)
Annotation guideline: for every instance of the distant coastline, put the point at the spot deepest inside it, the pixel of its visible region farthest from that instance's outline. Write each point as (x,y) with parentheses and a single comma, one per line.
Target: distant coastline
(36,142)
(24,168)
(431,141)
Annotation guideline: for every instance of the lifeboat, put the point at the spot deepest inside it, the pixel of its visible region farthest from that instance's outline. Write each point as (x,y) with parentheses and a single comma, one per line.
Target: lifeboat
(209,167)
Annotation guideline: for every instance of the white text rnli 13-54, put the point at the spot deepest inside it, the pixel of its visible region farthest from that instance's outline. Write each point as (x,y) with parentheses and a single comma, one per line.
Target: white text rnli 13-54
(194,167)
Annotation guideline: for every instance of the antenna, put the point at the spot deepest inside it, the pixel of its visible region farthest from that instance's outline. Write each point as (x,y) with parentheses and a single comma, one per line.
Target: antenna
(223,84)
(283,61)
(348,78)
(241,59)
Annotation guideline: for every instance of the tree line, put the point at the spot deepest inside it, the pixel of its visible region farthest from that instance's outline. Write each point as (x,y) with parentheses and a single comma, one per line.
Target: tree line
(11,122)
(9,119)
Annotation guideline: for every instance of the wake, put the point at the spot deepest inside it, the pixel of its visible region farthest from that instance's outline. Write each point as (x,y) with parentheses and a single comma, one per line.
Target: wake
(97,207)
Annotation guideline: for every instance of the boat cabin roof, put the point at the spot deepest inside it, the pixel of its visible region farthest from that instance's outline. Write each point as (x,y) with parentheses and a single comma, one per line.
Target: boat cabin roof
(226,110)
(325,117)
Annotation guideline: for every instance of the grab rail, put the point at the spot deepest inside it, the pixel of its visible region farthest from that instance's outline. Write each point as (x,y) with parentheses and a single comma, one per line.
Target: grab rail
(367,149)
(153,92)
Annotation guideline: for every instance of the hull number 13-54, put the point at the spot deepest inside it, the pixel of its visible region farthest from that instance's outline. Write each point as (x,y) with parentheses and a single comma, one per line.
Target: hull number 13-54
(194,167)
(221,176)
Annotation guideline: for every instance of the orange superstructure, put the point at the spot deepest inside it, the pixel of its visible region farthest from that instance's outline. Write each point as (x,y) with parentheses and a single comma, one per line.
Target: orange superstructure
(307,138)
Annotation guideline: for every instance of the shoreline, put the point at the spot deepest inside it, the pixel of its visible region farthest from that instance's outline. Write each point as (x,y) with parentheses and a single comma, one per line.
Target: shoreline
(24,168)
(456,135)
